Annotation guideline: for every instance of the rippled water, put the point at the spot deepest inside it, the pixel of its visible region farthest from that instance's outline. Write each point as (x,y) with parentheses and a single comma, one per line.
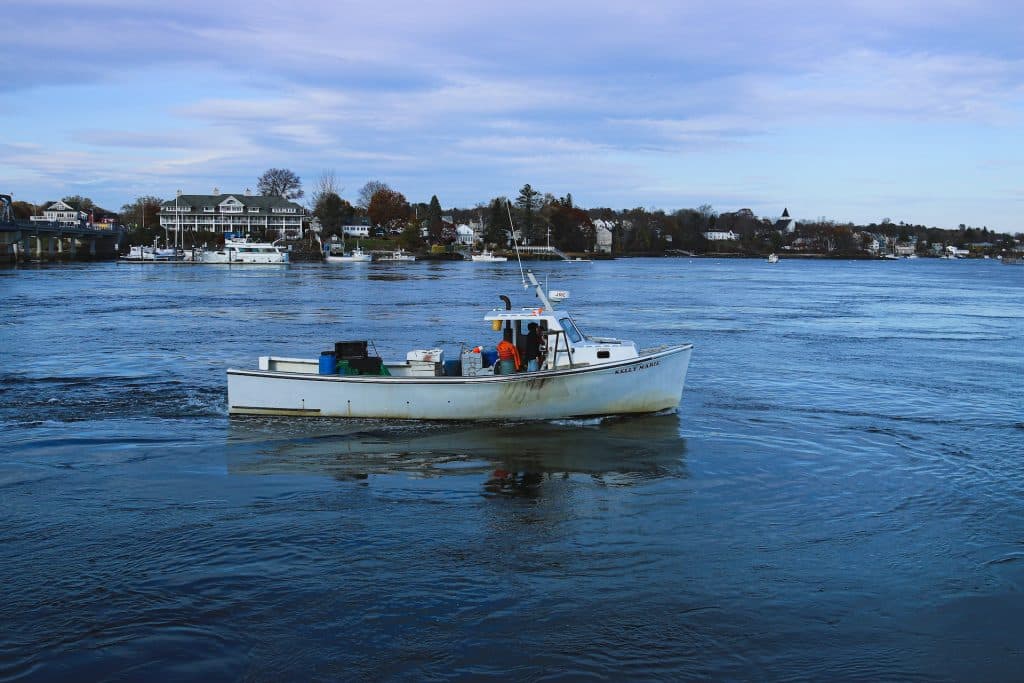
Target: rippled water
(839,496)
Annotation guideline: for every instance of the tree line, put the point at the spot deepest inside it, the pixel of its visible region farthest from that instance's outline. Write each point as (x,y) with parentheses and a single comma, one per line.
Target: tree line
(540,218)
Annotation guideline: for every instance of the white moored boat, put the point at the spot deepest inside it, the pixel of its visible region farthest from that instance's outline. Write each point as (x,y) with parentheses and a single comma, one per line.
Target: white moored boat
(578,376)
(143,253)
(398,255)
(488,257)
(357,255)
(241,251)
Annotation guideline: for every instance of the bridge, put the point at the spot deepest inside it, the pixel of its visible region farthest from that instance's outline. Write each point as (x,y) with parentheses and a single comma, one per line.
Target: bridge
(45,241)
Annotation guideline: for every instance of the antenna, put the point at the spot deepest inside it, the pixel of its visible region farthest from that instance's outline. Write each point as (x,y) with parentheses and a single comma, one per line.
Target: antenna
(512,227)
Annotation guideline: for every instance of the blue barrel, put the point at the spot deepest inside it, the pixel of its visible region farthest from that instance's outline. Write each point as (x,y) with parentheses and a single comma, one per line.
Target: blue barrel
(453,368)
(327,362)
(489,358)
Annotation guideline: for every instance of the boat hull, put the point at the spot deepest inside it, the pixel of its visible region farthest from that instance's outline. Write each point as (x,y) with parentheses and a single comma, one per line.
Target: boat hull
(649,383)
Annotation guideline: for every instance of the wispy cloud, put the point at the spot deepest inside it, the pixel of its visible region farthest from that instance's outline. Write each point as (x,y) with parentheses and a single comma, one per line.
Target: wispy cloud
(623,102)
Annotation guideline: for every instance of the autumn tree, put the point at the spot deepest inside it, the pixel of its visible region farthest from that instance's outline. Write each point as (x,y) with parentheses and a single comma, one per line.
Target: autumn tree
(388,209)
(279,182)
(78,202)
(571,228)
(22,211)
(144,212)
(367,192)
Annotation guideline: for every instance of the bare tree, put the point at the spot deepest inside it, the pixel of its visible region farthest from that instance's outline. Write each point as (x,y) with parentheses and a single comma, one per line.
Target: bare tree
(326,184)
(280,182)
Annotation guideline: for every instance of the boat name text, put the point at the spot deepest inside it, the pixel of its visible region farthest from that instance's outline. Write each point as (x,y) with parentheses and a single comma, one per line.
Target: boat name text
(642,366)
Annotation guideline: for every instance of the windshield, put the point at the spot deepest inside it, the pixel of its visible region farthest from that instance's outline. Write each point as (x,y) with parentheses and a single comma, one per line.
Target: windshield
(570,330)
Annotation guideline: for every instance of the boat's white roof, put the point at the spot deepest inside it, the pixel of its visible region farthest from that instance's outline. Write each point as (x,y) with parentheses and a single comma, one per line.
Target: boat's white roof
(524,314)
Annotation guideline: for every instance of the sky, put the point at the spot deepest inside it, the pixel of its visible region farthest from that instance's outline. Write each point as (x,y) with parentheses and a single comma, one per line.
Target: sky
(849,110)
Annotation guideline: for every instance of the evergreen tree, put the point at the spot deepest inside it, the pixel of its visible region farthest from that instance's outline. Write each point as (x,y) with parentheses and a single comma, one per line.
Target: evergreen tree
(435,224)
(497,229)
(527,203)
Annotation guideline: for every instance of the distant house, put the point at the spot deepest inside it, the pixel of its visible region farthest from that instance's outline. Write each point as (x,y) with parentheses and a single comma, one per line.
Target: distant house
(603,236)
(62,214)
(355,230)
(719,236)
(235,213)
(464,234)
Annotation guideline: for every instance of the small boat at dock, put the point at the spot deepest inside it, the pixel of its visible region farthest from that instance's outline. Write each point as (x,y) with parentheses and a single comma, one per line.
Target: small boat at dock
(357,255)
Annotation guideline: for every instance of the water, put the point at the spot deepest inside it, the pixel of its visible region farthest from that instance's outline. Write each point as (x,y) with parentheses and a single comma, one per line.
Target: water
(839,495)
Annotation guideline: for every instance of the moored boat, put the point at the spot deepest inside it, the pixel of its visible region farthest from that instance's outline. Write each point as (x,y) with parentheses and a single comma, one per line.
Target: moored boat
(357,255)
(143,253)
(395,256)
(240,251)
(577,376)
(773,258)
(488,257)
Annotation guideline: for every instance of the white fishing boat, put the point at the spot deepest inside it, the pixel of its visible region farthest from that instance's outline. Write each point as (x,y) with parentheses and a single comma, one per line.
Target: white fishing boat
(357,255)
(773,258)
(558,294)
(240,251)
(488,257)
(578,376)
(141,254)
(394,256)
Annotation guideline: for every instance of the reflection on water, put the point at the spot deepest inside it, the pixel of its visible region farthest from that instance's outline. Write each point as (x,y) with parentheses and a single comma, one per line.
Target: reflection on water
(511,458)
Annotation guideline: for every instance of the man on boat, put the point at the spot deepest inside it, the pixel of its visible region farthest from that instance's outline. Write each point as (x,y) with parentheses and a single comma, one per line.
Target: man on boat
(508,356)
(531,354)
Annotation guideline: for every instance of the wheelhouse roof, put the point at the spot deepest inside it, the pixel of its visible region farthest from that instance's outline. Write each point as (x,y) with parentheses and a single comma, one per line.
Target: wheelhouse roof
(538,313)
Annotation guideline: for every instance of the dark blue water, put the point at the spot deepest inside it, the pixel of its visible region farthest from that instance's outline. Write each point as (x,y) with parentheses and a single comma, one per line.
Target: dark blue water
(840,495)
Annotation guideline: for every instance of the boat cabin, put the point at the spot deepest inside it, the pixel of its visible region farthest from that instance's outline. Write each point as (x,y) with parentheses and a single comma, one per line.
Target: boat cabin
(564,344)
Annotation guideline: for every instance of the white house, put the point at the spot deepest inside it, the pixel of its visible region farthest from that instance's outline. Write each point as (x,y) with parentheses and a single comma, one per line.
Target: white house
(355,230)
(237,213)
(603,236)
(62,214)
(464,234)
(719,236)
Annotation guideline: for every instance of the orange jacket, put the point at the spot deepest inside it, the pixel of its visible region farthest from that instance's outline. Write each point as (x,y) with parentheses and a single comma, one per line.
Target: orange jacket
(508,351)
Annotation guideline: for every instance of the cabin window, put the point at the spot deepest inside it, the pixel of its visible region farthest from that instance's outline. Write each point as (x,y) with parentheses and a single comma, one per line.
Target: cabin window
(570,330)
(604,354)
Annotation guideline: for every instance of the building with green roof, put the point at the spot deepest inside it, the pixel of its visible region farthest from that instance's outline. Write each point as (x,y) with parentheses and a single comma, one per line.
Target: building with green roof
(241,213)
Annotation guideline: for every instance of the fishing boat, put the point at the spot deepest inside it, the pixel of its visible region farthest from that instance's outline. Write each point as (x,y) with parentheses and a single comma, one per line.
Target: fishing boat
(773,258)
(488,257)
(334,254)
(578,376)
(395,256)
(240,251)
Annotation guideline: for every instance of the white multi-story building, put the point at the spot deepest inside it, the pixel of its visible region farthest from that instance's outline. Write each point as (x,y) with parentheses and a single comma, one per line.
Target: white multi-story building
(603,236)
(237,213)
(62,214)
